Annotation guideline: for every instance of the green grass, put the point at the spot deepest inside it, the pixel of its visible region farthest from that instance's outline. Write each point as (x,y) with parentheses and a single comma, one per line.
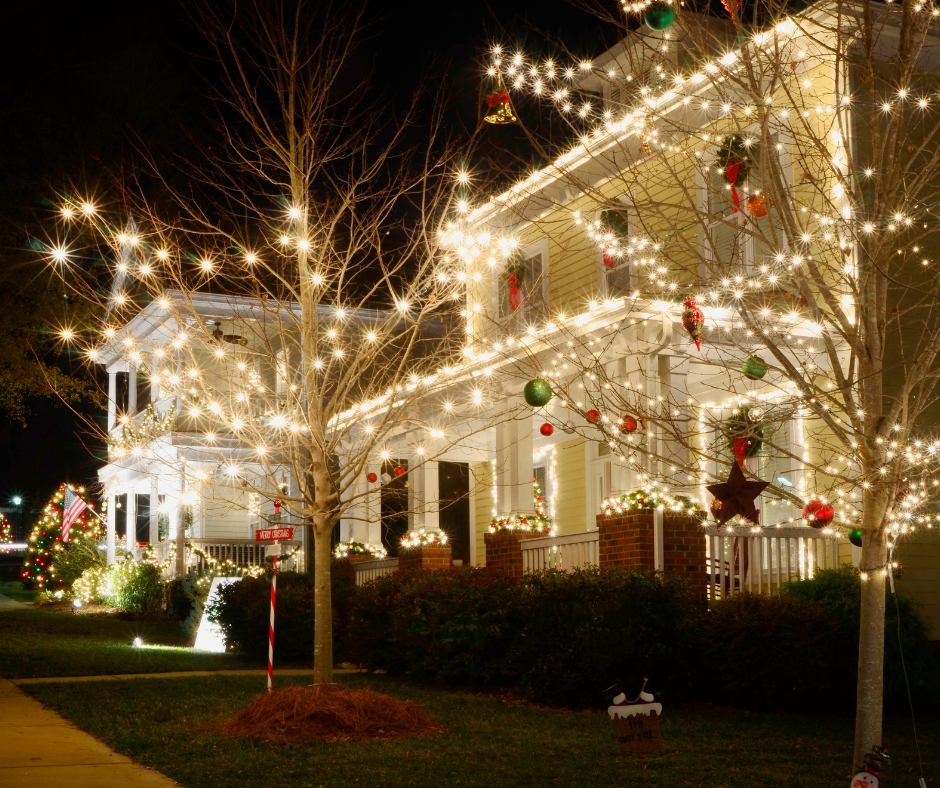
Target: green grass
(14,589)
(489,741)
(37,642)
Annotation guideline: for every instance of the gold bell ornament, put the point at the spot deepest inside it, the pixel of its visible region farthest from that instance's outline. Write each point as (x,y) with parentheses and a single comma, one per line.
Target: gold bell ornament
(500,111)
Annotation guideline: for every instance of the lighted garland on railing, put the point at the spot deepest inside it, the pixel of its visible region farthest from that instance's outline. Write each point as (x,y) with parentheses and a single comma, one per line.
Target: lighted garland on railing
(344,549)
(649,499)
(538,521)
(152,425)
(423,538)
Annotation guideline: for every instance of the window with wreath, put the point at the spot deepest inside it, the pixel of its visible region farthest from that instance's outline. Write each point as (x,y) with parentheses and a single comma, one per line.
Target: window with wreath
(522,292)
(615,239)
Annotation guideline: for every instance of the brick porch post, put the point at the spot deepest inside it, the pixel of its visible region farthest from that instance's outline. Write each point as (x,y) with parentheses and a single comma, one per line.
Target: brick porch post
(504,550)
(428,557)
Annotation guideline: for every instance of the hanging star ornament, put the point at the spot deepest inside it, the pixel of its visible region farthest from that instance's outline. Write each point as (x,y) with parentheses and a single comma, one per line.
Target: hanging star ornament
(737,496)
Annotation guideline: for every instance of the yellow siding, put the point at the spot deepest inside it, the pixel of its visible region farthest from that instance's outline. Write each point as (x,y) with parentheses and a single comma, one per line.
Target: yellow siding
(483,514)
(570,487)
(919,557)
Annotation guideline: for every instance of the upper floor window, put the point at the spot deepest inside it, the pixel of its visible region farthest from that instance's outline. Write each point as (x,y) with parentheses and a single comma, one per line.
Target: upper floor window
(616,275)
(522,290)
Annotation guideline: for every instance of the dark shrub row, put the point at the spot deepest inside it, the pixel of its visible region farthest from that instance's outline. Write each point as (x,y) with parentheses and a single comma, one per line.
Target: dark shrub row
(565,637)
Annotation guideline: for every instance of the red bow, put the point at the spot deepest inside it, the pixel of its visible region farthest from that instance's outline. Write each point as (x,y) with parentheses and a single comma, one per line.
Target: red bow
(731,173)
(514,291)
(739,447)
(499,98)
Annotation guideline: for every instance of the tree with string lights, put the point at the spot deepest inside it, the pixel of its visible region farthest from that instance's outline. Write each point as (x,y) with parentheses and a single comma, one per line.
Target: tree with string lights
(309,228)
(759,194)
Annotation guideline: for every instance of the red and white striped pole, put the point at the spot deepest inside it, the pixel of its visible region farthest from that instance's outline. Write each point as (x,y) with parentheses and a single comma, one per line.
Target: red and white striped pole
(277,513)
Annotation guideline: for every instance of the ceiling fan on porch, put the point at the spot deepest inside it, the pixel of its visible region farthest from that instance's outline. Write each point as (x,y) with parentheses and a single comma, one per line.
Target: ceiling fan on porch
(232,339)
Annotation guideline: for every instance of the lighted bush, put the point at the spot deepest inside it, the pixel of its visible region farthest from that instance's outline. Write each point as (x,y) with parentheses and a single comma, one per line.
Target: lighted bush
(129,585)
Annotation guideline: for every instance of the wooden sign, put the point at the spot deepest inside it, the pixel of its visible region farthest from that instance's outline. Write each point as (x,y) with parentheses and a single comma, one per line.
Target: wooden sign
(274,534)
(638,732)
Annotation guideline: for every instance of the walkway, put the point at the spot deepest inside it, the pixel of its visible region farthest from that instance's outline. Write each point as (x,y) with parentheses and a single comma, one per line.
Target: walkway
(9,604)
(41,748)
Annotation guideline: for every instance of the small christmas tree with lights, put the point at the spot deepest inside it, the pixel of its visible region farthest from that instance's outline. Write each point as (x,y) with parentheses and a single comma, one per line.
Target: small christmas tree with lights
(6,532)
(45,544)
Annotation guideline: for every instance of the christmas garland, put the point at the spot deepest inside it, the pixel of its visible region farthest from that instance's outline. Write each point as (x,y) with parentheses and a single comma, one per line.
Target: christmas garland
(422,538)
(344,549)
(733,151)
(649,499)
(152,425)
(538,521)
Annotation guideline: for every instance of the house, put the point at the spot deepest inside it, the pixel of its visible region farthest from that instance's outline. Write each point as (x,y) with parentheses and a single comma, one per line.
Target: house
(579,275)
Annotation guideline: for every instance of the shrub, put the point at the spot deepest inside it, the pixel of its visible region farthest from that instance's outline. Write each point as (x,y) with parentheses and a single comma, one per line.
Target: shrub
(243,613)
(838,592)
(75,559)
(129,585)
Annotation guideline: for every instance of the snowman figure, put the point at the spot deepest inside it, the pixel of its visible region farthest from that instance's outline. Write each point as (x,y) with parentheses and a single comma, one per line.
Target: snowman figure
(864,780)
(621,708)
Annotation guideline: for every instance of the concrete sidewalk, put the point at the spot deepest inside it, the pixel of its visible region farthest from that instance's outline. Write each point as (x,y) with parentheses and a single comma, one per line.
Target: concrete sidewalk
(10,604)
(179,675)
(40,748)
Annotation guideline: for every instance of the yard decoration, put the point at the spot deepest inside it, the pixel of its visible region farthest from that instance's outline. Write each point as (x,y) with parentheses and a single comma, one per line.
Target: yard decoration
(754,368)
(693,320)
(6,532)
(875,761)
(636,722)
(736,496)
(546,430)
(818,512)
(537,392)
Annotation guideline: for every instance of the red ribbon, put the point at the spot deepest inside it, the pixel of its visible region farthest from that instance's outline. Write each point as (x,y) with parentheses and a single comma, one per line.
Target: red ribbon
(739,447)
(731,173)
(514,291)
(499,98)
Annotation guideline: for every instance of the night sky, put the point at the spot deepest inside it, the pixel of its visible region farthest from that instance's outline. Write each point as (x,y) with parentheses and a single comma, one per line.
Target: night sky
(86,84)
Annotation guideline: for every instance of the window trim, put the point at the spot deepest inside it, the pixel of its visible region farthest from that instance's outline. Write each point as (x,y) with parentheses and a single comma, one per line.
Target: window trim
(539,247)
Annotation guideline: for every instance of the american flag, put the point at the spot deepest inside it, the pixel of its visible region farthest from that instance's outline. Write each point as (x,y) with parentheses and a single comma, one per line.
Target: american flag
(72,507)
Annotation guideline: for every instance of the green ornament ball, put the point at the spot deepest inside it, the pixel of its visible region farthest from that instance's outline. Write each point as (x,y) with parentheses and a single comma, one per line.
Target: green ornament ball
(537,392)
(754,368)
(659,16)
(855,536)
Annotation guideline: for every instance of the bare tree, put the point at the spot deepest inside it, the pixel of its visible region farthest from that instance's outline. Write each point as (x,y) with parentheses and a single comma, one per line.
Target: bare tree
(783,172)
(310,229)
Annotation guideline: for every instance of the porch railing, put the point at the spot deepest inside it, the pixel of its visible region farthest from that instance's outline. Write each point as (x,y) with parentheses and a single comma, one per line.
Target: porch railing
(200,553)
(571,551)
(741,560)
(371,570)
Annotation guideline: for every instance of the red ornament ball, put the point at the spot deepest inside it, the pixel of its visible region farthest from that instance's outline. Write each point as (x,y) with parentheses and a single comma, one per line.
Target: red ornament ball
(546,429)
(818,513)
(628,424)
(715,507)
(373,478)
(399,470)
(593,416)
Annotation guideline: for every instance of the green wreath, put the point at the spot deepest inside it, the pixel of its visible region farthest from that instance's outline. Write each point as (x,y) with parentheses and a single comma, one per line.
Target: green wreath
(733,150)
(741,425)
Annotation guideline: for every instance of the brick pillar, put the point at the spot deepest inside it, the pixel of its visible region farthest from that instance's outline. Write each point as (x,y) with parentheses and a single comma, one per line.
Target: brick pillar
(628,540)
(345,568)
(429,557)
(504,550)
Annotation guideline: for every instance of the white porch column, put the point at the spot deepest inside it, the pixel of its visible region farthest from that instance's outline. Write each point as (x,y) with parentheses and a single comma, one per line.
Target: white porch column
(503,502)
(112,400)
(521,462)
(110,535)
(372,508)
(130,517)
(131,390)
(351,509)
(154,510)
(177,529)
(154,386)
(425,492)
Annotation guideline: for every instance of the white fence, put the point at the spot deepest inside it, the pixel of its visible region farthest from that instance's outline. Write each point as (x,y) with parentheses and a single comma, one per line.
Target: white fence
(371,570)
(741,560)
(571,551)
(200,553)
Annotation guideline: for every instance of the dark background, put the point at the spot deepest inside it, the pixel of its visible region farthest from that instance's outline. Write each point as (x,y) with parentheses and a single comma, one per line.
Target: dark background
(85,84)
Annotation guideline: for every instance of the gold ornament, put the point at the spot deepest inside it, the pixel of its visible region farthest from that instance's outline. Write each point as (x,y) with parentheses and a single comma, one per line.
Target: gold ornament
(500,112)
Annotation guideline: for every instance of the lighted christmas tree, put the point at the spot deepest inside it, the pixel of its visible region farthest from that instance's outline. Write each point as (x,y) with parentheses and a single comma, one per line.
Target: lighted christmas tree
(46,547)
(6,532)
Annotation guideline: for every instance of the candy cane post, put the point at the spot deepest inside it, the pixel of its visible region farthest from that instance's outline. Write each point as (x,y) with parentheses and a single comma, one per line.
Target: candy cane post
(273,535)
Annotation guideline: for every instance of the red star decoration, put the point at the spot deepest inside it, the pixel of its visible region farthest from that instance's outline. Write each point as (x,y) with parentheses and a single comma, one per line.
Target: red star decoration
(737,496)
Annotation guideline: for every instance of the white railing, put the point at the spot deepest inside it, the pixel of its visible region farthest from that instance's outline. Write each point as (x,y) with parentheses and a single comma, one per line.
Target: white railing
(571,551)
(241,552)
(741,560)
(366,571)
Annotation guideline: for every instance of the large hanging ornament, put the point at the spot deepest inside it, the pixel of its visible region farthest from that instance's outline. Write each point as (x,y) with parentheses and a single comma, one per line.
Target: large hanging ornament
(855,536)
(736,496)
(693,320)
(546,430)
(593,416)
(373,478)
(537,392)
(628,424)
(500,110)
(754,368)
(818,512)
(399,471)
(385,478)
(659,16)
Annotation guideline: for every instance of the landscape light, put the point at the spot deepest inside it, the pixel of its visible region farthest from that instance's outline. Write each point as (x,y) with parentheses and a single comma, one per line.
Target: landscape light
(138,642)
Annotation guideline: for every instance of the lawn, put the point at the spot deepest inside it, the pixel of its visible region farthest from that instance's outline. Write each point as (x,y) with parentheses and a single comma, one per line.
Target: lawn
(14,589)
(164,723)
(37,642)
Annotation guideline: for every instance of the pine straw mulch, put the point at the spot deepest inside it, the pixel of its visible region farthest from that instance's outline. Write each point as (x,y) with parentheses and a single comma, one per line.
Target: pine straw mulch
(328,712)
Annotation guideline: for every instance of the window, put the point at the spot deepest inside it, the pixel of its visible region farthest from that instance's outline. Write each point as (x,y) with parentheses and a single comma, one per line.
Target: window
(523,286)
(617,277)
